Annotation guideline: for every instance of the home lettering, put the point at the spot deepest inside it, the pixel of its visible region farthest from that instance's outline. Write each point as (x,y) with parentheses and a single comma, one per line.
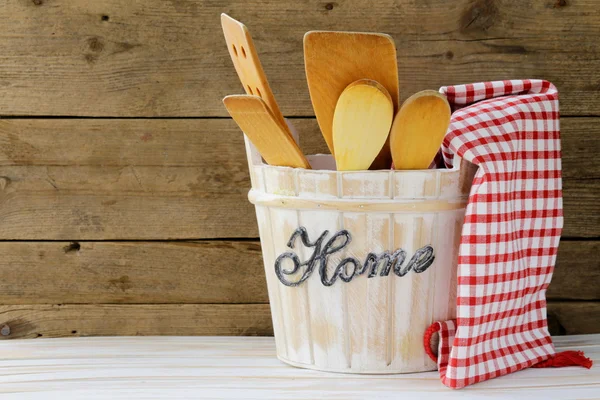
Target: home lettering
(348,268)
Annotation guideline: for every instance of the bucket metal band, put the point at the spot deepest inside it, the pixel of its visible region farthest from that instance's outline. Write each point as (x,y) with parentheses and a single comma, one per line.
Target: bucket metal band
(361,205)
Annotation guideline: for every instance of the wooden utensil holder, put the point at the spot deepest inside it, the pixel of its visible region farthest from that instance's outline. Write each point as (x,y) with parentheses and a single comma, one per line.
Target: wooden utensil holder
(337,312)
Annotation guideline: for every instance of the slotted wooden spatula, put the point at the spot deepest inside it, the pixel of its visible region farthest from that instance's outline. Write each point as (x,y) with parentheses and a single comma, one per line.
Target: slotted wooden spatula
(418,129)
(247,64)
(361,124)
(257,121)
(333,60)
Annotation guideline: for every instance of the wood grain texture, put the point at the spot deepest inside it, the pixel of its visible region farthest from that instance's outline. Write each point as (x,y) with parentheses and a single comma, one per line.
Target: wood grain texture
(246,368)
(193,272)
(131,272)
(26,321)
(68,179)
(215,144)
(580,201)
(169,58)
(80,174)
(131,202)
(573,317)
(577,272)
(133,172)
(58,320)
(93,203)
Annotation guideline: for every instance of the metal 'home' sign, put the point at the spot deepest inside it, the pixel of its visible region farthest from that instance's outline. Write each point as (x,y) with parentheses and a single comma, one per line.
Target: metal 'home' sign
(374,264)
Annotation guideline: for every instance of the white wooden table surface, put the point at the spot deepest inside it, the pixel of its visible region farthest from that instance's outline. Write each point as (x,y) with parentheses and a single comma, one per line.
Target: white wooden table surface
(246,368)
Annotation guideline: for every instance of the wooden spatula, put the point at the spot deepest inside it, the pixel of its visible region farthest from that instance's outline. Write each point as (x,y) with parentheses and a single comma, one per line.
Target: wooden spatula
(247,64)
(257,121)
(418,129)
(333,60)
(361,124)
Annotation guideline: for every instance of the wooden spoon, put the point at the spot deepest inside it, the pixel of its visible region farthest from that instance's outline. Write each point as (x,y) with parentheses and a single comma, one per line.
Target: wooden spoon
(333,60)
(247,64)
(418,129)
(256,120)
(361,124)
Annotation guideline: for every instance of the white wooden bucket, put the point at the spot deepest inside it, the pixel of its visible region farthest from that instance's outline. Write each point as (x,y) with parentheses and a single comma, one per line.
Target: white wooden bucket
(361,322)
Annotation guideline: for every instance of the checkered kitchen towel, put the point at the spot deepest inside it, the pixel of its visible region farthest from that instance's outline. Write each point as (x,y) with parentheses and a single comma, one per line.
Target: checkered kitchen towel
(513,222)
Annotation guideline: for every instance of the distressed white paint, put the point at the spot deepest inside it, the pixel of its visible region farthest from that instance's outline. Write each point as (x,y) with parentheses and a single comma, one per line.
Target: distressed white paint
(369,325)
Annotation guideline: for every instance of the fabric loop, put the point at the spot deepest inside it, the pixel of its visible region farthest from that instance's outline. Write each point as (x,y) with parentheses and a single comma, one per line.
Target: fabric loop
(433,329)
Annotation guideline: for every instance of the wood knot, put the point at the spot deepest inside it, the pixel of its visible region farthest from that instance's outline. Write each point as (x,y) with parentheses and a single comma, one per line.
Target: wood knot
(560,3)
(123,283)
(5,330)
(330,6)
(72,247)
(37,2)
(4,182)
(105,18)
(90,58)
(449,55)
(479,16)
(95,44)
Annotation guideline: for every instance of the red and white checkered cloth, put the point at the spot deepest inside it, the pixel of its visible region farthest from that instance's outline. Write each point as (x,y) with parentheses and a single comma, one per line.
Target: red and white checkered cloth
(512,228)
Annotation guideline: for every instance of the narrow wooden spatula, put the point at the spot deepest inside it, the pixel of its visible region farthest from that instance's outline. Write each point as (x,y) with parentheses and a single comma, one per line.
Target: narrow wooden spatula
(418,129)
(361,124)
(333,60)
(247,64)
(257,121)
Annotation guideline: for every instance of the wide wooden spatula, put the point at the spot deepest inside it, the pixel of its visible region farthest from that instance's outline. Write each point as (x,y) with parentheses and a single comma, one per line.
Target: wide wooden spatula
(418,130)
(247,64)
(361,124)
(333,60)
(257,121)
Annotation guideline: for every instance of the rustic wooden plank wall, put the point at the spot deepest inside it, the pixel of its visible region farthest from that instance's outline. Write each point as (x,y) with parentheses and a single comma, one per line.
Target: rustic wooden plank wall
(123,185)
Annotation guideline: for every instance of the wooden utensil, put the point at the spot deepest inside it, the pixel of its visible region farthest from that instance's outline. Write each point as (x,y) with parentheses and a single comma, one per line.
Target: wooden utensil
(257,121)
(361,124)
(418,129)
(333,60)
(247,65)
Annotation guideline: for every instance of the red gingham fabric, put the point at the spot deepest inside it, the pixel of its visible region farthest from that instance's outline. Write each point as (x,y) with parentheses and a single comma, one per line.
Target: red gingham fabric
(512,228)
